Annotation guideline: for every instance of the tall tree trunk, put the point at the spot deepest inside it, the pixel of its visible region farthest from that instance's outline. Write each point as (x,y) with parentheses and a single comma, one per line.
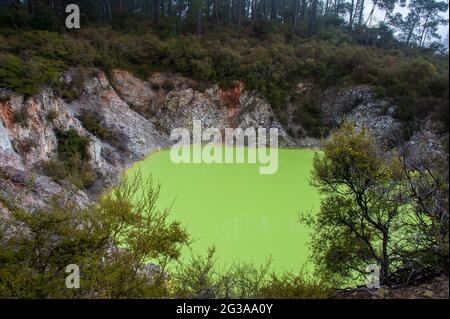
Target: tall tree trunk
(338,5)
(352,10)
(361,13)
(273,10)
(294,13)
(121,7)
(303,11)
(384,270)
(422,35)
(412,27)
(107,5)
(264,8)
(30,6)
(253,8)
(199,20)
(239,11)
(312,17)
(216,11)
(156,8)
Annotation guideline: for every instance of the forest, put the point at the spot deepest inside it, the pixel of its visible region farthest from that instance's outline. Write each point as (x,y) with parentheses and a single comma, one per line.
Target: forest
(418,27)
(268,45)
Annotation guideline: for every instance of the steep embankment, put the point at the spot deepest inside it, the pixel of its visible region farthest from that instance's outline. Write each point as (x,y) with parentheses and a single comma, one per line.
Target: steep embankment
(138,117)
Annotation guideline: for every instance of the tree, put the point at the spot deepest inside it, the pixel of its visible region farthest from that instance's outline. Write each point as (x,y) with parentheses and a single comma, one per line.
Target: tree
(112,242)
(156,5)
(421,22)
(427,177)
(273,10)
(312,17)
(359,221)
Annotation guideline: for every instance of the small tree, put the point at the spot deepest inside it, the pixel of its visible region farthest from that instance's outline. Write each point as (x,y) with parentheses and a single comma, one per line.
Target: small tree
(112,242)
(427,180)
(360,216)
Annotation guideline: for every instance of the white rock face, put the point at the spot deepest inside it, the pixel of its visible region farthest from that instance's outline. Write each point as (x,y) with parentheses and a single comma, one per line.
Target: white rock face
(214,107)
(139,134)
(139,115)
(24,145)
(5,143)
(359,105)
(8,157)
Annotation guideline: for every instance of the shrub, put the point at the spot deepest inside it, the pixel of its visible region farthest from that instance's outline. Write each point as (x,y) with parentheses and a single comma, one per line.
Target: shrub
(155,86)
(27,76)
(14,16)
(73,160)
(52,115)
(92,123)
(309,115)
(25,145)
(296,286)
(71,144)
(21,116)
(111,240)
(168,85)
(201,278)
(11,68)
(78,173)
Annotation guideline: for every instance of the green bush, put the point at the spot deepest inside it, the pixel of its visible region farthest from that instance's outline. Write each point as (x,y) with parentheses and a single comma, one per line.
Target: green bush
(200,277)
(111,241)
(71,144)
(271,63)
(296,286)
(52,115)
(309,115)
(21,116)
(25,145)
(93,124)
(78,173)
(155,86)
(168,85)
(73,163)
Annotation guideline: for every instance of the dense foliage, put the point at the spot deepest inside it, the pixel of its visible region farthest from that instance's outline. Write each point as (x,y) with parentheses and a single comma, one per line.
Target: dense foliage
(73,160)
(416,26)
(125,247)
(269,45)
(272,66)
(370,214)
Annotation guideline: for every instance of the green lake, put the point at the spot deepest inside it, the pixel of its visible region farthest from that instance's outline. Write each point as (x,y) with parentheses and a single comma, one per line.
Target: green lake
(249,217)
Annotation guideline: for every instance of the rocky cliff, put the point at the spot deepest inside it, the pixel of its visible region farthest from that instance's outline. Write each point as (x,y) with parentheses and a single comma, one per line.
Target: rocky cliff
(139,115)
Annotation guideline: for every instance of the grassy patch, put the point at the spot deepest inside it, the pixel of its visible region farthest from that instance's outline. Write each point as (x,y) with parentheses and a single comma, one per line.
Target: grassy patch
(72,163)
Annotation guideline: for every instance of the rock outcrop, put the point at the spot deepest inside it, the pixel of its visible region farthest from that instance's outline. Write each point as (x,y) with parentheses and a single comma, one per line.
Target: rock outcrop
(360,106)
(139,116)
(213,106)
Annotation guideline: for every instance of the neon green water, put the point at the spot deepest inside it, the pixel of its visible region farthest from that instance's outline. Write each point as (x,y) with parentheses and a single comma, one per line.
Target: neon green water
(247,216)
